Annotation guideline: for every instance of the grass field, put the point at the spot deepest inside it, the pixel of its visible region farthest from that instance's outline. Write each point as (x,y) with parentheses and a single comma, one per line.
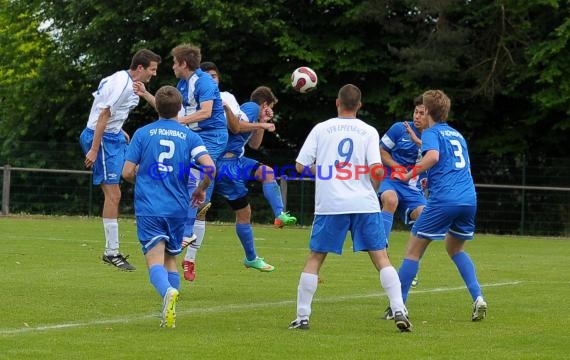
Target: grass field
(59,301)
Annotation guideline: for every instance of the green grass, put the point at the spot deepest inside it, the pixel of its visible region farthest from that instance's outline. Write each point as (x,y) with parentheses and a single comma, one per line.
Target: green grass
(59,301)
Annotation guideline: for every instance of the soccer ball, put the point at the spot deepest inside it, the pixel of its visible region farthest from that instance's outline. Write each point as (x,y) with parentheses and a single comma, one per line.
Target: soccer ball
(304,79)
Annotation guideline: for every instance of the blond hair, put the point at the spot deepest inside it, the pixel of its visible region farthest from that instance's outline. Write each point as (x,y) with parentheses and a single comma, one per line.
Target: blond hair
(437,104)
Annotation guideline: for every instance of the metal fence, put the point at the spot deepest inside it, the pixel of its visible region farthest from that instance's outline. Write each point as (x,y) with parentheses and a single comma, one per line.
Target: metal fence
(502,208)
(521,194)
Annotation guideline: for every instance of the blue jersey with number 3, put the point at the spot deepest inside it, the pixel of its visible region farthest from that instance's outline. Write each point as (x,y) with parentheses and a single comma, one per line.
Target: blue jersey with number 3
(163,150)
(449,180)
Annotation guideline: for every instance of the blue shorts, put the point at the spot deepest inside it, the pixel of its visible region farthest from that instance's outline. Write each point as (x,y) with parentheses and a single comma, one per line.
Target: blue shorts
(329,232)
(233,175)
(436,221)
(153,229)
(108,167)
(215,142)
(409,197)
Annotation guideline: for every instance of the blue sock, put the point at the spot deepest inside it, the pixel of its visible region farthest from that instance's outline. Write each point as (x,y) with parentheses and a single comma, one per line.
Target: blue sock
(408,270)
(159,278)
(467,270)
(245,235)
(272,194)
(387,220)
(174,279)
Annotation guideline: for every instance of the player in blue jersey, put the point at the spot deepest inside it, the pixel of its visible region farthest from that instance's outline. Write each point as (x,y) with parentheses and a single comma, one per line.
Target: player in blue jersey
(195,228)
(158,162)
(400,151)
(452,204)
(202,110)
(194,235)
(104,142)
(231,182)
(270,187)
(202,105)
(346,203)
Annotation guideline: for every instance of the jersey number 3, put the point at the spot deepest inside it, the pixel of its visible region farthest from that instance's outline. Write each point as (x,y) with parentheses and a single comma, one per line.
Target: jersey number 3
(458,152)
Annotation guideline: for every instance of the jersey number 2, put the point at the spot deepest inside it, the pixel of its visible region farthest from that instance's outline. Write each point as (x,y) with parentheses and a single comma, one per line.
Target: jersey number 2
(166,155)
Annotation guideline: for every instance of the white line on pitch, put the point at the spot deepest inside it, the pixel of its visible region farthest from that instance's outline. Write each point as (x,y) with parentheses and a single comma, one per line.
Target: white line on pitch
(226,308)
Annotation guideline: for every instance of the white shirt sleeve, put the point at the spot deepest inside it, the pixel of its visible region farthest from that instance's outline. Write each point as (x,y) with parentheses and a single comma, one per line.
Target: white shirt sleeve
(373,149)
(111,89)
(231,101)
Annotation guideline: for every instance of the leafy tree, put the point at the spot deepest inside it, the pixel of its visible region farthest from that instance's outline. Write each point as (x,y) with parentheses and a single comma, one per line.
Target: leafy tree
(21,57)
(502,62)
(36,81)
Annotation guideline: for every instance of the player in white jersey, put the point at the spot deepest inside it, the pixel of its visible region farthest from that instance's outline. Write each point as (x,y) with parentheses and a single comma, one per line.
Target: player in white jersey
(343,155)
(452,204)
(159,159)
(104,142)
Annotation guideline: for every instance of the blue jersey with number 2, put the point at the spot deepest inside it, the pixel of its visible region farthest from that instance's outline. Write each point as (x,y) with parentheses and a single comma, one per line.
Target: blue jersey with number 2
(163,150)
(449,180)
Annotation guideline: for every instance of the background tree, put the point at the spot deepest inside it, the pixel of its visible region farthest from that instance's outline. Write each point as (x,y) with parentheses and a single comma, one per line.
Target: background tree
(502,62)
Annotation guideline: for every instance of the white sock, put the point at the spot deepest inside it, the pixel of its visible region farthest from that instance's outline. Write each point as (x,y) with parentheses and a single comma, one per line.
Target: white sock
(305,292)
(111,227)
(390,281)
(199,231)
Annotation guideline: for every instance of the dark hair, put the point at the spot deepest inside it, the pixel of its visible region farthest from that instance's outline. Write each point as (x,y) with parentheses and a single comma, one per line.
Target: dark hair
(208,66)
(437,105)
(188,53)
(144,57)
(263,94)
(418,100)
(168,102)
(349,96)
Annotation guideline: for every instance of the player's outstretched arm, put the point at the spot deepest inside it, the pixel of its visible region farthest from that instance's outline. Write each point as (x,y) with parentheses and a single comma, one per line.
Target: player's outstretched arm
(265,114)
(204,113)
(387,158)
(412,134)
(233,121)
(431,157)
(140,90)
